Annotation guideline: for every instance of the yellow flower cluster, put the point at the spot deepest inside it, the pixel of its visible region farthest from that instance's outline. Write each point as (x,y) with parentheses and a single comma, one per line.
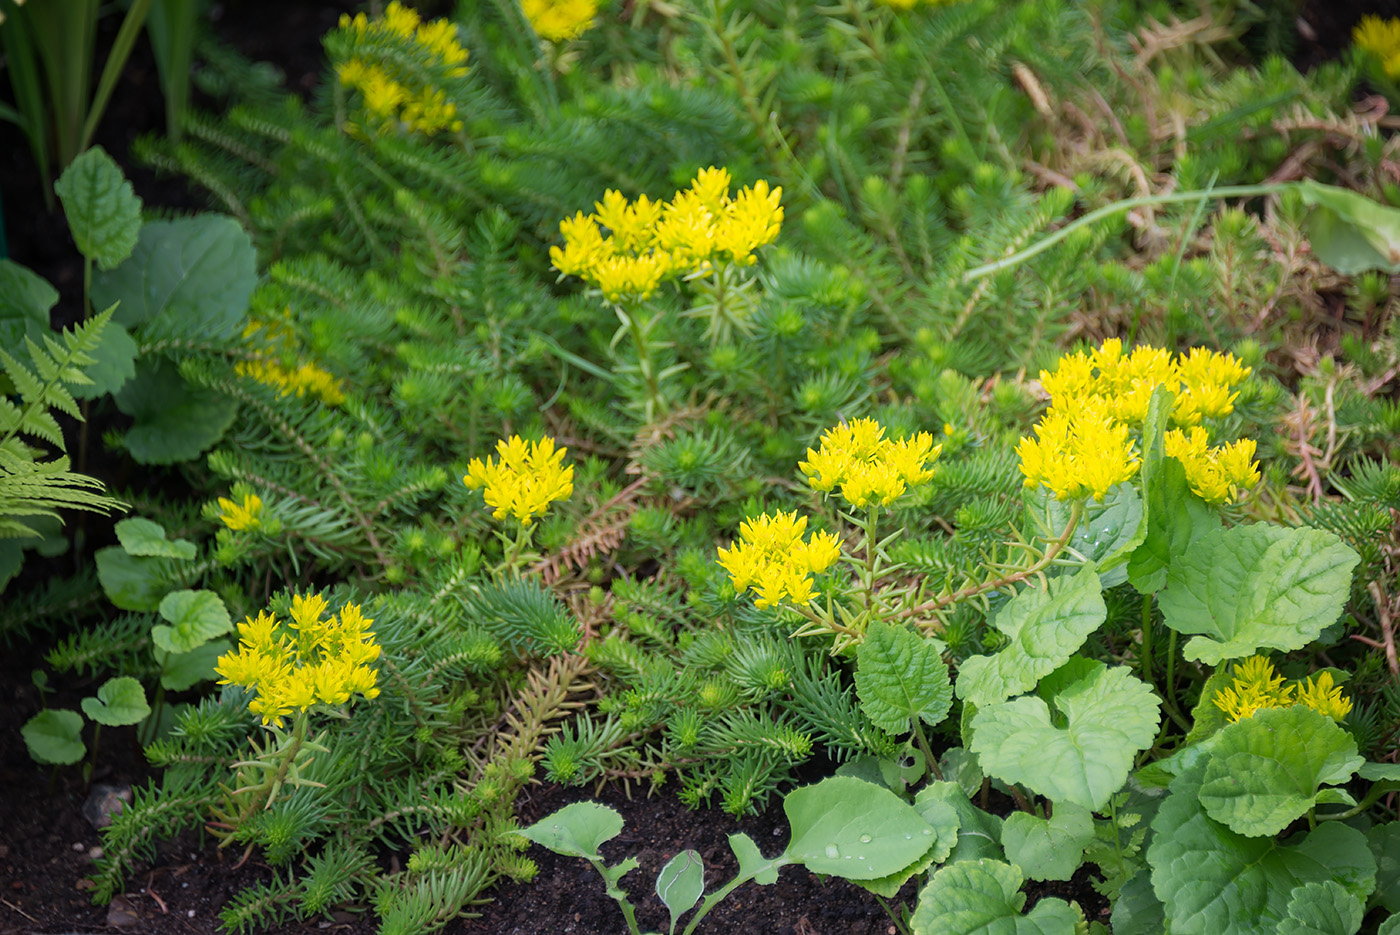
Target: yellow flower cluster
(649,242)
(1083,446)
(1381,38)
(772,558)
(276,342)
(303,662)
(1213,474)
(1256,685)
(239,516)
(526,480)
(869,468)
(393,98)
(557,20)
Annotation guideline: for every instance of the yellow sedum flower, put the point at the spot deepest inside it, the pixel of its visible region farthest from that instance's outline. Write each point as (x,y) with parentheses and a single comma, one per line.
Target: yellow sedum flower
(395,98)
(649,242)
(1216,475)
(558,20)
(308,660)
(1083,443)
(528,477)
(772,558)
(1381,38)
(275,362)
(1079,452)
(1257,685)
(868,468)
(241,516)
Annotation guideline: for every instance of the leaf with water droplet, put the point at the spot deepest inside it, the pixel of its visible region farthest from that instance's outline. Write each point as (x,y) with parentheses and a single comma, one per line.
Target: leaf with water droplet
(845,815)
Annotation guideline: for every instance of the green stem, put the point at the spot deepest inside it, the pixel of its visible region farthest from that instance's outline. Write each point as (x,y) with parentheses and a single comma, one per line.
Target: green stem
(714,898)
(638,331)
(895,920)
(1127,204)
(1372,796)
(928,751)
(1145,660)
(619,896)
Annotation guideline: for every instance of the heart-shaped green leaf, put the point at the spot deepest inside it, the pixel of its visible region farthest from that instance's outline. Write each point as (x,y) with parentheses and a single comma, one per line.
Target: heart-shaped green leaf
(195,617)
(119,702)
(1110,715)
(1048,849)
(55,736)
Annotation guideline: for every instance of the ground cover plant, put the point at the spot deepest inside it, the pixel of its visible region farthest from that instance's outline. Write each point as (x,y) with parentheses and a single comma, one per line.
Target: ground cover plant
(968,427)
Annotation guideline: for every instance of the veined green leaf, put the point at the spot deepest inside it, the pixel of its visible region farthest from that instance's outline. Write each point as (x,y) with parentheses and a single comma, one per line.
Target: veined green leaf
(1322,909)
(55,736)
(984,897)
(850,828)
(1213,881)
(1109,714)
(1266,769)
(195,617)
(1176,518)
(120,701)
(1045,626)
(102,209)
(899,676)
(1255,587)
(1048,849)
(174,420)
(979,832)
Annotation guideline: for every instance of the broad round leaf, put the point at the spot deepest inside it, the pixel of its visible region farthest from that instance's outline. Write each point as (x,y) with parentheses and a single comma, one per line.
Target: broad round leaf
(143,537)
(1248,588)
(55,736)
(945,822)
(131,582)
(102,209)
(195,618)
(1110,715)
(979,832)
(188,279)
(901,675)
(1384,842)
(1213,881)
(183,671)
(850,828)
(1048,849)
(174,420)
(984,897)
(1350,232)
(576,830)
(119,702)
(1322,909)
(1267,768)
(25,300)
(113,364)
(1045,625)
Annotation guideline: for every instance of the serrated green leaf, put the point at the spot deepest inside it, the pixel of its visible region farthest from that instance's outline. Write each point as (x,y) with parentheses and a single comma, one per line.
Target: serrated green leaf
(899,676)
(576,830)
(1044,627)
(1322,909)
(961,766)
(1376,772)
(174,420)
(102,209)
(850,828)
(1213,881)
(1048,849)
(143,537)
(984,897)
(55,736)
(1106,528)
(113,363)
(1110,715)
(752,863)
(979,832)
(195,618)
(1137,910)
(119,702)
(1266,769)
(1253,587)
(1391,926)
(681,883)
(132,582)
(182,671)
(188,279)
